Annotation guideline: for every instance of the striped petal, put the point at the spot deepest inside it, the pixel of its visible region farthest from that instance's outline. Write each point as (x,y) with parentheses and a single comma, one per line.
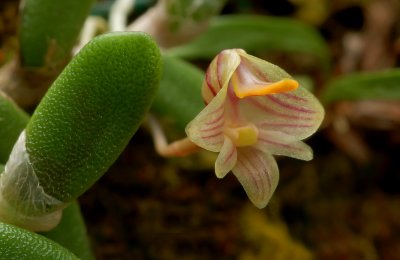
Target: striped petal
(258,173)
(279,143)
(261,69)
(219,73)
(206,129)
(226,159)
(297,113)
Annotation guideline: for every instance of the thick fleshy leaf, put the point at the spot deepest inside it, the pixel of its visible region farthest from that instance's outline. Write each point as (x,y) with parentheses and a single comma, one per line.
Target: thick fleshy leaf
(206,129)
(258,173)
(12,121)
(278,143)
(226,159)
(48,30)
(297,113)
(88,116)
(219,73)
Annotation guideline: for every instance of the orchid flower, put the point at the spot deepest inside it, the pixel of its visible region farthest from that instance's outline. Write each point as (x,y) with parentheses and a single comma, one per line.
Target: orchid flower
(254,110)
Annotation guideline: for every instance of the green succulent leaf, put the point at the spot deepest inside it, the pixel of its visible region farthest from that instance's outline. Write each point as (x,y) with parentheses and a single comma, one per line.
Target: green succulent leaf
(71,232)
(361,86)
(18,243)
(49,29)
(12,121)
(91,111)
(254,34)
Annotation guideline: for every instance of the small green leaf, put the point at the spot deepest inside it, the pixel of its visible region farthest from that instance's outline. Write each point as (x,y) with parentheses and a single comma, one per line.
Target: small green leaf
(179,97)
(49,29)
(12,121)
(254,34)
(18,243)
(362,86)
(71,232)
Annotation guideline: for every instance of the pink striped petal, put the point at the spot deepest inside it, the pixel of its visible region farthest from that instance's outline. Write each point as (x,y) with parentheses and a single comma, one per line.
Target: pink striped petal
(279,143)
(206,129)
(263,70)
(297,113)
(219,73)
(258,173)
(226,159)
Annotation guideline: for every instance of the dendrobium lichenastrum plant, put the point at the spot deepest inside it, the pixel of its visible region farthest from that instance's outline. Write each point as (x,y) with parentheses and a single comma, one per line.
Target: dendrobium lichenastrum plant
(254,110)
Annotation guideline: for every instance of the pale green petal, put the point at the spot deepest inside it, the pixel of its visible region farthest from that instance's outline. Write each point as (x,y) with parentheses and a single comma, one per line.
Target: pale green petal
(226,159)
(269,71)
(297,113)
(258,173)
(219,73)
(206,129)
(278,143)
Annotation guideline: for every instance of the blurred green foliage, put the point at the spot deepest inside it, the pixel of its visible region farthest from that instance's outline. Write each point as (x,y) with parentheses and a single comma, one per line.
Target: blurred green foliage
(256,34)
(363,86)
(178,99)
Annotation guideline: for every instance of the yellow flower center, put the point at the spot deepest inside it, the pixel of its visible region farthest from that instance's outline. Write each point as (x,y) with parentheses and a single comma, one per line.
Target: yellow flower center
(242,136)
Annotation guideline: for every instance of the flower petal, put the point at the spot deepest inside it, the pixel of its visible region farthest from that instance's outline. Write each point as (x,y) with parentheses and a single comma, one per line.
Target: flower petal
(261,69)
(279,143)
(226,159)
(219,73)
(258,173)
(206,129)
(297,113)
